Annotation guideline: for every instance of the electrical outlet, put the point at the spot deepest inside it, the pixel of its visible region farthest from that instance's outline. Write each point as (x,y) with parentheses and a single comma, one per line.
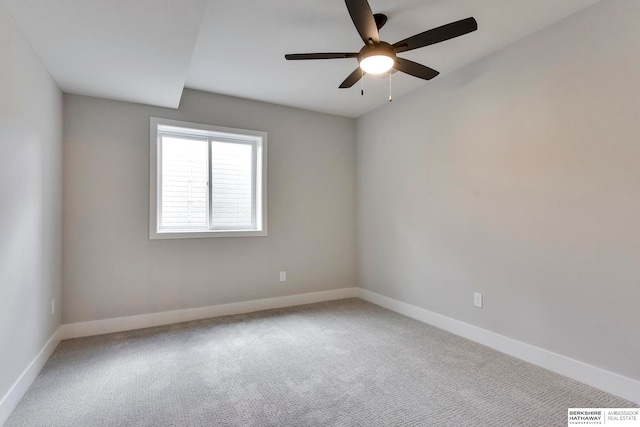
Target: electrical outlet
(283,276)
(53,306)
(477,299)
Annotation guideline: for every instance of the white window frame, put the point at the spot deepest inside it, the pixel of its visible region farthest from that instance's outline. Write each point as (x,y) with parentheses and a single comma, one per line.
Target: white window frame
(255,138)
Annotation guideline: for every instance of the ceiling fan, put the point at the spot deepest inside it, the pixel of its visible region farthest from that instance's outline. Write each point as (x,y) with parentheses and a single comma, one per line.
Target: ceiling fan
(377,56)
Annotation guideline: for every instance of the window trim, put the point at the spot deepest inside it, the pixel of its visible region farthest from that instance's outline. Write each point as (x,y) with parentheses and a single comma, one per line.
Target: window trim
(194,129)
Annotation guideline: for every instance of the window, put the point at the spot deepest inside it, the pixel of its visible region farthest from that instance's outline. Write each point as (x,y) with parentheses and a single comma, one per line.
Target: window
(206,181)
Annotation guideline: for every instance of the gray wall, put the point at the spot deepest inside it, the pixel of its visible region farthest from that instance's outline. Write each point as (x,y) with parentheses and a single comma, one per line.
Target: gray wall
(30,203)
(112,269)
(518,177)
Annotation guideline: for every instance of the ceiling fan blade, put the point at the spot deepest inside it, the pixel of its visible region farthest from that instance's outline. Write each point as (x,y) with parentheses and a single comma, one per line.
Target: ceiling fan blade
(299,56)
(363,19)
(353,78)
(415,69)
(437,35)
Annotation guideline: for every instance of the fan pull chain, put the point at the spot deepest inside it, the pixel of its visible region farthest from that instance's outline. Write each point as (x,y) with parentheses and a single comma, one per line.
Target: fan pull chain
(362,83)
(390,99)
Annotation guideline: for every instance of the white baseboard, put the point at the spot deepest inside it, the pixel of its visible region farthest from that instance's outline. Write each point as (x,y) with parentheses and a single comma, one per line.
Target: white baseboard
(98,327)
(610,382)
(19,388)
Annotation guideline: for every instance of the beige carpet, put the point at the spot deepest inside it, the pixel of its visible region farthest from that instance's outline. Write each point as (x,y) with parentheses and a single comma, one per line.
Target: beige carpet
(341,363)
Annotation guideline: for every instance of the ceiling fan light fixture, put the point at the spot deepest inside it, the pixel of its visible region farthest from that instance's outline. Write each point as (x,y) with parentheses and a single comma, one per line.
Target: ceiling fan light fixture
(376,64)
(377,59)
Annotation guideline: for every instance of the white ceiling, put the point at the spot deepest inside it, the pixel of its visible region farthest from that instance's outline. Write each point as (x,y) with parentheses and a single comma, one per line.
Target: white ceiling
(147,51)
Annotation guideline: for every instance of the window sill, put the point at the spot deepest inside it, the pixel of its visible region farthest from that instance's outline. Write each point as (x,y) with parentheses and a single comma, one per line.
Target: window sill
(162,235)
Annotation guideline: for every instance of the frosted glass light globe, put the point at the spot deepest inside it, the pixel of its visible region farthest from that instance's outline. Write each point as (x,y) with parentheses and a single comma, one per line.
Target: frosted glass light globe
(376,64)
